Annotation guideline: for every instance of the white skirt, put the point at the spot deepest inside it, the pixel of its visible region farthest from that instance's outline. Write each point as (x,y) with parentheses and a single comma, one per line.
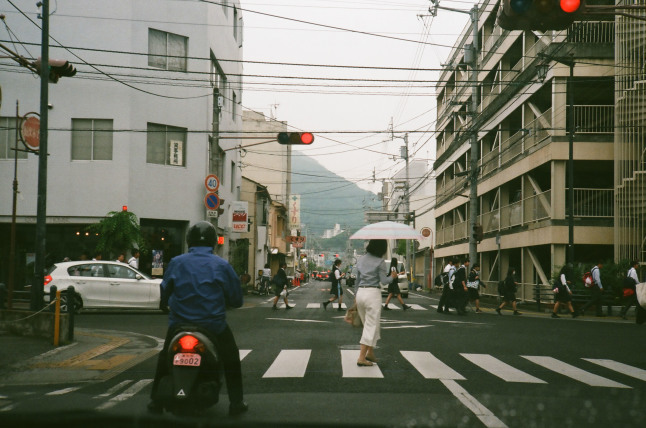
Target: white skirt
(369,308)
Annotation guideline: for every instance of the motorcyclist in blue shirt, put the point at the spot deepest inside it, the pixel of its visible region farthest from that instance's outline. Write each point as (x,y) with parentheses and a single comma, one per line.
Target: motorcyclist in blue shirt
(197,287)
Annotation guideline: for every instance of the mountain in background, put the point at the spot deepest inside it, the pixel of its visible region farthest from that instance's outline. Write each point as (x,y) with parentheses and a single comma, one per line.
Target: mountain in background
(328,199)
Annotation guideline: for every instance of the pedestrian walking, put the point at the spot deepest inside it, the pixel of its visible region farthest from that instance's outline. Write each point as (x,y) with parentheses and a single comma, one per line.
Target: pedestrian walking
(280,286)
(134,260)
(121,258)
(371,272)
(336,290)
(393,286)
(597,291)
(562,291)
(629,291)
(460,287)
(445,299)
(473,286)
(509,295)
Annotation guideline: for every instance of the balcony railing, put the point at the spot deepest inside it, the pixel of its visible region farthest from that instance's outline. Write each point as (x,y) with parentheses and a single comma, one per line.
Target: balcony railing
(594,203)
(594,119)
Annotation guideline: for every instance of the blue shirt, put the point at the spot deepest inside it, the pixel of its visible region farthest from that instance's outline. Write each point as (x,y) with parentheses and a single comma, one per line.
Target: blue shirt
(198,287)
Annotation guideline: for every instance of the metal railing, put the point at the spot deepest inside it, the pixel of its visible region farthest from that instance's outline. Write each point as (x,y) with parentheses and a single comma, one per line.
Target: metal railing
(592,32)
(594,119)
(594,203)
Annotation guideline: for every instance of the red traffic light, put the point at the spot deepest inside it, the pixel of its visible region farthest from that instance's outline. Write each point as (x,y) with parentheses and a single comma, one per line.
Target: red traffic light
(540,15)
(220,240)
(295,138)
(570,6)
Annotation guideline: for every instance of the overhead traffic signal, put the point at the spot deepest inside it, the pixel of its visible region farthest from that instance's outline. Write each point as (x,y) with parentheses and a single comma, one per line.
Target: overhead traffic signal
(295,138)
(478,232)
(542,15)
(57,68)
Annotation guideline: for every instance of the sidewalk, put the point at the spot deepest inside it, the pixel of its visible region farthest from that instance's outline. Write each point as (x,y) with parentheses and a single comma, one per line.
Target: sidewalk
(95,355)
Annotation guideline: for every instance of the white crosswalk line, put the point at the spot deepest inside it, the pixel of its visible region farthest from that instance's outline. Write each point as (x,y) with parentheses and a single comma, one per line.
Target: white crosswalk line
(64,390)
(433,306)
(128,393)
(313,306)
(417,307)
(394,307)
(114,389)
(503,370)
(282,305)
(350,369)
(336,306)
(622,368)
(485,415)
(573,372)
(244,353)
(289,363)
(429,366)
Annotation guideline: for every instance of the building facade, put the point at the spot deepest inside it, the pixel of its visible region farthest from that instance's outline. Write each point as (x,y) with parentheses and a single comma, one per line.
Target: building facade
(523,82)
(138,126)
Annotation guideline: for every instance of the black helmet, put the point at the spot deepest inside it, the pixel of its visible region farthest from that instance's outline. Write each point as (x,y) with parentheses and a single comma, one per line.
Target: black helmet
(201,234)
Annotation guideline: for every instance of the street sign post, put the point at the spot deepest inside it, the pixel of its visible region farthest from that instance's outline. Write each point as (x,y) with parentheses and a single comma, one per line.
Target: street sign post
(212,201)
(212,183)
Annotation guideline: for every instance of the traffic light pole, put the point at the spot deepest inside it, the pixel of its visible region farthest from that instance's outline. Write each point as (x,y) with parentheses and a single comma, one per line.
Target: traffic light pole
(41,209)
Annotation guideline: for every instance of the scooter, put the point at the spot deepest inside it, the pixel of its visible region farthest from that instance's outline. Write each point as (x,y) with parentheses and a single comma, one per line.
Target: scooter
(193,377)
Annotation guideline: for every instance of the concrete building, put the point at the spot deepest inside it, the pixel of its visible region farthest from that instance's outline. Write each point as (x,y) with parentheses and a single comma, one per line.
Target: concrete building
(138,125)
(520,121)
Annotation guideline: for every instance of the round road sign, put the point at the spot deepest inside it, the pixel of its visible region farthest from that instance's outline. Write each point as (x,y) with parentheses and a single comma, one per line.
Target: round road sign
(212,201)
(212,183)
(30,132)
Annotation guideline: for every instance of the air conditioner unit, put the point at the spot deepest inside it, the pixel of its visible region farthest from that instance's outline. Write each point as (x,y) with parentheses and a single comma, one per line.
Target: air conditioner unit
(176,152)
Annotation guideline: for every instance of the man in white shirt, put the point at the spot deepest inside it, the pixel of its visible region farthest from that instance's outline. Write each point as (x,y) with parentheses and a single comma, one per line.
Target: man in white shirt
(631,281)
(134,260)
(443,305)
(597,291)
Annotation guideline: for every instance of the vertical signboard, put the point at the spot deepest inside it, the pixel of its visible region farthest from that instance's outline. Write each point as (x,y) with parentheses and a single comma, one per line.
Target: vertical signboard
(239,215)
(295,212)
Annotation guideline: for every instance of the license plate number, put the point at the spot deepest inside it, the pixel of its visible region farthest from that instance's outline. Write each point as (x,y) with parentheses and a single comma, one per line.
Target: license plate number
(183,359)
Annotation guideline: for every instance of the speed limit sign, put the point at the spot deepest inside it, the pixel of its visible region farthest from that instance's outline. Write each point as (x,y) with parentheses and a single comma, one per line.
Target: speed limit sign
(212,183)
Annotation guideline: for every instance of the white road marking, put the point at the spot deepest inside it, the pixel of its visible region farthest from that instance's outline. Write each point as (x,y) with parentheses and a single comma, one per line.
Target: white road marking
(573,372)
(297,320)
(417,307)
(8,407)
(429,366)
(503,370)
(336,306)
(313,306)
(485,415)
(406,326)
(65,390)
(244,353)
(622,368)
(114,389)
(350,369)
(128,393)
(289,363)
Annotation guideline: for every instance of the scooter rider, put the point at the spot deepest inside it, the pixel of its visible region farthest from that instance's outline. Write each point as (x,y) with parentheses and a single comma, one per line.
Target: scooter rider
(198,286)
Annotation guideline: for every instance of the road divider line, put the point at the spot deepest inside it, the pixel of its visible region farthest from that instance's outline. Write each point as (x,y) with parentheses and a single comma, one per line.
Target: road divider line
(289,363)
(485,415)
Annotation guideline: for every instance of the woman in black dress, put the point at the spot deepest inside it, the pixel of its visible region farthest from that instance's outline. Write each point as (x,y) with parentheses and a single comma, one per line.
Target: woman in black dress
(510,292)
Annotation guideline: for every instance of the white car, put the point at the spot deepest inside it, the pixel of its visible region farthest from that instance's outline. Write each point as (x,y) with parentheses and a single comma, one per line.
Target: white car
(104,284)
(402,280)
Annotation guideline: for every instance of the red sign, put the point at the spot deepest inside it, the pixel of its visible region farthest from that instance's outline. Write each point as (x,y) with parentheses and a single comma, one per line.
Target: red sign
(30,132)
(296,239)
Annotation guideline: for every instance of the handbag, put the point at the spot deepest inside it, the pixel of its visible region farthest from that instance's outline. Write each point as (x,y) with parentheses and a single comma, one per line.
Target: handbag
(352,317)
(640,291)
(628,292)
(473,284)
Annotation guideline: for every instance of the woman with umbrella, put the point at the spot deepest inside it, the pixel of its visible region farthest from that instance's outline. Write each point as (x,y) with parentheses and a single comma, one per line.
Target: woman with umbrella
(371,271)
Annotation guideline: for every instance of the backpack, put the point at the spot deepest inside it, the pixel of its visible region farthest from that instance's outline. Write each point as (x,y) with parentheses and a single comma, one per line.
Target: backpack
(442,279)
(587,279)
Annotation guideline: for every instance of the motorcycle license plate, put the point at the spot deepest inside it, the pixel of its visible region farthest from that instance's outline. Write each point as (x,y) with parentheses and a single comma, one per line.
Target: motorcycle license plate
(183,359)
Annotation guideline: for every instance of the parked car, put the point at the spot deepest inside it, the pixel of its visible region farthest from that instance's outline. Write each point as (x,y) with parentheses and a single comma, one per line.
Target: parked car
(402,280)
(323,276)
(104,284)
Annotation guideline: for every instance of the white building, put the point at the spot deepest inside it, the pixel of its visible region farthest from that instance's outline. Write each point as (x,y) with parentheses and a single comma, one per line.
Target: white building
(158,81)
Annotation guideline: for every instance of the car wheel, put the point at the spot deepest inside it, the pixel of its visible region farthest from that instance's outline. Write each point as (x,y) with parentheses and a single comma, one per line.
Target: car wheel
(78,303)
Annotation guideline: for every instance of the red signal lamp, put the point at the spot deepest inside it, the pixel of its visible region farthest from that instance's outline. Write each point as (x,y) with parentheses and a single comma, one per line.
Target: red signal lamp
(220,240)
(124,208)
(570,6)
(295,138)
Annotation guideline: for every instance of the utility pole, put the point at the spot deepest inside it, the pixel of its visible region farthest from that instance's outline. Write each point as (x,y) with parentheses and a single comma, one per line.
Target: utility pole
(407,205)
(41,208)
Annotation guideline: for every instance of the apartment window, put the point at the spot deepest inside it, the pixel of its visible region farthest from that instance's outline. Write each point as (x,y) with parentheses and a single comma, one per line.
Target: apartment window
(92,139)
(166,50)
(8,139)
(166,145)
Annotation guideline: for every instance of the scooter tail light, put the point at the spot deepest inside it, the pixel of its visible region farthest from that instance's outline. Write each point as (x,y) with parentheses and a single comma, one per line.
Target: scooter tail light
(189,343)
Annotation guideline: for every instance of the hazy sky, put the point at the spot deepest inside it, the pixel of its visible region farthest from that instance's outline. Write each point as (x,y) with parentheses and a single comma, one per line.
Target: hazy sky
(322,105)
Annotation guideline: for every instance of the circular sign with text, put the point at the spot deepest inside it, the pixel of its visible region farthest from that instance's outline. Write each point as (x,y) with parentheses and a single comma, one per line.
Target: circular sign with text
(212,183)
(30,132)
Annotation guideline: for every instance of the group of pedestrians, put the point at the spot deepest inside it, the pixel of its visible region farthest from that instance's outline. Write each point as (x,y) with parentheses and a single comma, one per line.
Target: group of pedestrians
(461,285)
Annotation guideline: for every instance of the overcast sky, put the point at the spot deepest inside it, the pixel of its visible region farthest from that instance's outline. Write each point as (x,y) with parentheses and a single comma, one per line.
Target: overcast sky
(323,106)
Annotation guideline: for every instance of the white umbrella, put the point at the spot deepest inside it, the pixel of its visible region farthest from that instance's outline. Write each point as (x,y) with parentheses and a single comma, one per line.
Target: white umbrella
(387,230)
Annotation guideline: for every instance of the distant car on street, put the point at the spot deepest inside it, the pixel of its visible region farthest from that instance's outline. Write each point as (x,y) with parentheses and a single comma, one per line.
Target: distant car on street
(323,276)
(104,284)
(402,280)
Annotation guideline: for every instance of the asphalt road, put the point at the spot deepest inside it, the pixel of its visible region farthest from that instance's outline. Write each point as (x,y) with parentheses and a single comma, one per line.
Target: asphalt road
(299,368)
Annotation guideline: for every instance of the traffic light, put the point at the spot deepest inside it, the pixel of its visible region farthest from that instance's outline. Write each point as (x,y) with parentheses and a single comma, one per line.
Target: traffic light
(542,15)
(57,68)
(478,232)
(295,138)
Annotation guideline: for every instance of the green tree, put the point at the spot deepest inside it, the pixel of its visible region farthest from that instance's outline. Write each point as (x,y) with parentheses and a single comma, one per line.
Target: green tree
(118,232)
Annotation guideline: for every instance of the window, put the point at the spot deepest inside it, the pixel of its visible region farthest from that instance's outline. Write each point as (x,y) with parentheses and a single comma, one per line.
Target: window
(92,139)
(218,80)
(166,50)
(122,272)
(8,139)
(234,105)
(166,145)
(233,176)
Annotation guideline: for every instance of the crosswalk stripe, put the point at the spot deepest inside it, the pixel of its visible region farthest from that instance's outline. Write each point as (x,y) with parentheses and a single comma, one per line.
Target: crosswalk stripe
(289,363)
(430,366)
(114,389)
(622,368)
(350,369)
(282,305)
(336,306)
(501,369)
(313,306)
(417,307)
(244,353)
(573,372)
(64,390)
(128,393)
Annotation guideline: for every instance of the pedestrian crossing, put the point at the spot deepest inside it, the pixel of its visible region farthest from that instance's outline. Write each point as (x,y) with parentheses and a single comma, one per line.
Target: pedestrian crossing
(294,364)
(335,305)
